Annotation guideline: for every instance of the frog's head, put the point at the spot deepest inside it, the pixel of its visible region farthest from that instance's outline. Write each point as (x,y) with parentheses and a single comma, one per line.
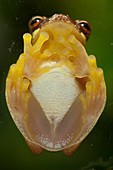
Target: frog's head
(60,24)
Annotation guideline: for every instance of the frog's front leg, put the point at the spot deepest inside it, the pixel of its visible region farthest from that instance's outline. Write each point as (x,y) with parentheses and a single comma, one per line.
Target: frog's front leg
(17,88)
(92,101)
(17,95)
(95,96)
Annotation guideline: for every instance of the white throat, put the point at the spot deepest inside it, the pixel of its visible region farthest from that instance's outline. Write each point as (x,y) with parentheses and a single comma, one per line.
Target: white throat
(55,91)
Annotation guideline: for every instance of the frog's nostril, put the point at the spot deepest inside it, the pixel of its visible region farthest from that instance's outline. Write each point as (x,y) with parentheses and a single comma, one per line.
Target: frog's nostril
(60,17)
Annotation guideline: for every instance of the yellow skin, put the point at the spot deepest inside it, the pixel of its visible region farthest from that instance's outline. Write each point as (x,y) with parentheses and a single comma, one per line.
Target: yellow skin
(56,44)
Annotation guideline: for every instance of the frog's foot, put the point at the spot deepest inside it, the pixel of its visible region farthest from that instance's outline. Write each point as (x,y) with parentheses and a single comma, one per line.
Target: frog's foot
(34,147)
(69,151)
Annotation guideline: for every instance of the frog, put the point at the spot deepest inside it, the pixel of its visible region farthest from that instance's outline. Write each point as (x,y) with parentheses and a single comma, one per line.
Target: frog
(55,92)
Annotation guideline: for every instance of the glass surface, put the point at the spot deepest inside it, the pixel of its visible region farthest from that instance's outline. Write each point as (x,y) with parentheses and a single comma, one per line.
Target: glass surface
(96,151)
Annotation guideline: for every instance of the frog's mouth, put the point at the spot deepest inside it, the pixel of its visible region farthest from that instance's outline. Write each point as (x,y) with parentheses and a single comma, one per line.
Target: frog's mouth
(59,26)
(57,42)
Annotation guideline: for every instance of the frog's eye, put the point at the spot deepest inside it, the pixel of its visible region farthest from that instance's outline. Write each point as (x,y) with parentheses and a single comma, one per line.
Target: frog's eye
(35,22)
(84,27)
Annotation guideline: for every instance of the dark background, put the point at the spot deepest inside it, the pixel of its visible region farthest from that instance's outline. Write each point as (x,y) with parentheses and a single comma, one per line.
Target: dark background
(96,151)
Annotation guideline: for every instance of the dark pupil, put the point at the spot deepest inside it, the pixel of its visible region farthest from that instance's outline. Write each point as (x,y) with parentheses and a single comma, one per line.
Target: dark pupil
(85,25)
(34,21)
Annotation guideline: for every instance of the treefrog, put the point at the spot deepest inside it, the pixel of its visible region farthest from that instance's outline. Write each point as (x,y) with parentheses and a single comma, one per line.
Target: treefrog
(55,92)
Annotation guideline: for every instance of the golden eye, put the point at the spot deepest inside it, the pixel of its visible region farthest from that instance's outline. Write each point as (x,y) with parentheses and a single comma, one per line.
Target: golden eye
(35,23)
(84,27)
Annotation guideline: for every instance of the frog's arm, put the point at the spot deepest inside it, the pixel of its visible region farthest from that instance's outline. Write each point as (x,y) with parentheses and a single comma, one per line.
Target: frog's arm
(17,95)
(92,103)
